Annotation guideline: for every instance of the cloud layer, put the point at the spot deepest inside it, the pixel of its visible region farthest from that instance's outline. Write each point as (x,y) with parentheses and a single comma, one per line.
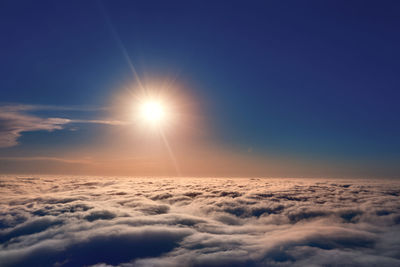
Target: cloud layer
(84,221)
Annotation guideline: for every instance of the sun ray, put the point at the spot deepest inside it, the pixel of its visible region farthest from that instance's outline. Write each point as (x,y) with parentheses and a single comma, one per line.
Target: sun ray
(170,152)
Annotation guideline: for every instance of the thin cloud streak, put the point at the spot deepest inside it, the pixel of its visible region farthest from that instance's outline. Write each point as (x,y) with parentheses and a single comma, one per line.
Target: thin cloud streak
(15,120)
(13,124)
(65,160)
(15,107)
(107,122)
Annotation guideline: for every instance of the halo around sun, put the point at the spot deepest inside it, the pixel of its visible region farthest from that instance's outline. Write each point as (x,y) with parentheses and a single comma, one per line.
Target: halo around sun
(152,111)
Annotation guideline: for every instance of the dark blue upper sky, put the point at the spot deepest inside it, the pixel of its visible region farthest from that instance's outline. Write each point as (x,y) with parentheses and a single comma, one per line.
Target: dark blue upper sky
(313,79)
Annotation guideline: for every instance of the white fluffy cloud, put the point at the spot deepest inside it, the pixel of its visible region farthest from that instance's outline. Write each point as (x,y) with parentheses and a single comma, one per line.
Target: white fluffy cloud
(82,221)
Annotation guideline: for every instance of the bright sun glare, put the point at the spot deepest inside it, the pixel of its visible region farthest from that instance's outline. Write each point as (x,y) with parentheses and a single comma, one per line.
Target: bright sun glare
(153,111)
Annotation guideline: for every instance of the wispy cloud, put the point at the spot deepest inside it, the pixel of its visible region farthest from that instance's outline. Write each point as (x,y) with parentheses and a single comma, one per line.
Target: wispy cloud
(12,124)
(16,107)
(107,122)
(15,119)
(47,159)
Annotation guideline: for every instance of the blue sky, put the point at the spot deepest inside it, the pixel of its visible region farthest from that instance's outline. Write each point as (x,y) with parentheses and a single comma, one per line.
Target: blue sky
(313,81)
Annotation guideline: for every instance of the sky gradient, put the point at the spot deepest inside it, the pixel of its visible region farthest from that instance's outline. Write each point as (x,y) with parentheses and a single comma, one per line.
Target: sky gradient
(267,88)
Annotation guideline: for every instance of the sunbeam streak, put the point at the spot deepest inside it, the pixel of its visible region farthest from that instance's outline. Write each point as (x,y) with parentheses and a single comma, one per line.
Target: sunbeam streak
(170,152)
(155,113)
(121,46)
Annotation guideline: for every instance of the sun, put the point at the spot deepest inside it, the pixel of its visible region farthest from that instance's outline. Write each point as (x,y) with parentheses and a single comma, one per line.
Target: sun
(153,111)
